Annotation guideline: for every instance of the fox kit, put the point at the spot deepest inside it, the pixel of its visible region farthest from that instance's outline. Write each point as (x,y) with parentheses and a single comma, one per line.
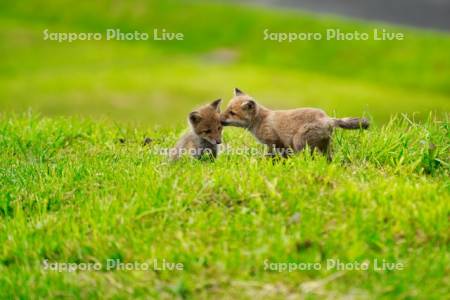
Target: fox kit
(205,133)
(286,131)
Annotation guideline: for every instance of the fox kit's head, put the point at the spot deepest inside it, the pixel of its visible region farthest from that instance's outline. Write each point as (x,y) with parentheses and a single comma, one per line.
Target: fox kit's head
(205,122)
(241,110)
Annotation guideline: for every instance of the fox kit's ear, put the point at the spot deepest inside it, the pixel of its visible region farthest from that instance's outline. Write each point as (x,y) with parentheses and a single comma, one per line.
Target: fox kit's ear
(216,104)
(248,105)
(194,117)
(238,92)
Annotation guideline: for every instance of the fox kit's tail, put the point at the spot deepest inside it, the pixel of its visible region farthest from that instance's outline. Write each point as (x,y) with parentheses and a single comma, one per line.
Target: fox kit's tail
(351,123)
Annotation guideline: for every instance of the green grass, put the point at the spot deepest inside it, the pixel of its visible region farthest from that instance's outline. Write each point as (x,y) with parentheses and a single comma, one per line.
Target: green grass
(74,190)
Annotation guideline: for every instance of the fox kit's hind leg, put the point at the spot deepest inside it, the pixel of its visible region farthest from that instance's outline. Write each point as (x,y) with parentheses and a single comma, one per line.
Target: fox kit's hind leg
(325,148)
(316,136)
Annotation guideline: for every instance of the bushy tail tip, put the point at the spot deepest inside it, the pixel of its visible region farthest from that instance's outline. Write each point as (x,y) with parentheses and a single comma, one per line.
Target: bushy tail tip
(352,123)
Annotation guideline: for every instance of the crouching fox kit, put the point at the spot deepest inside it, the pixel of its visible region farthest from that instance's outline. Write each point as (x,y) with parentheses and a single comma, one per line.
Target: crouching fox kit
(286,131)
(205,133)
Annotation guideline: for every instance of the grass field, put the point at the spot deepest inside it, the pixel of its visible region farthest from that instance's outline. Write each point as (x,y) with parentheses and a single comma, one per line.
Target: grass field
(78,185)
(82,191)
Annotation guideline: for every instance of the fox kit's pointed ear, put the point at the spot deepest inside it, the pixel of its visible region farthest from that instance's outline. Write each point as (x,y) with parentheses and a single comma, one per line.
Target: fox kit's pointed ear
(216,104)
(248,105)
(238,92)
(194,117)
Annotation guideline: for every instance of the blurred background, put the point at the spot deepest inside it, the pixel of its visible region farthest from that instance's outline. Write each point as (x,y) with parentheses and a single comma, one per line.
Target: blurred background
(159,82)
(418,13)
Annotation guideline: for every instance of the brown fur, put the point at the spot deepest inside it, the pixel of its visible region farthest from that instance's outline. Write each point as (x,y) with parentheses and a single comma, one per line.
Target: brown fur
(205,133)
(286,131)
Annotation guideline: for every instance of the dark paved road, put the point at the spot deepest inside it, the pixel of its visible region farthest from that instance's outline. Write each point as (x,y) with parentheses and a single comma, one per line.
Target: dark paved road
(419,13)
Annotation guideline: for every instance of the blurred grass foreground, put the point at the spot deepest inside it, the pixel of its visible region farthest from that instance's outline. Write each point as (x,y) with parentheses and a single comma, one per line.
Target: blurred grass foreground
(156,81)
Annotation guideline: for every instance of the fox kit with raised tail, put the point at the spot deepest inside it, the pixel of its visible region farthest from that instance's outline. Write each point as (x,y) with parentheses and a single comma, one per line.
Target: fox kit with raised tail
(286,131)
(205,133)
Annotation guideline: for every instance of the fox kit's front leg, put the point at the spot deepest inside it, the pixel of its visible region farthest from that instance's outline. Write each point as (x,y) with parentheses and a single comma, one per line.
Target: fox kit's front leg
(270,151)
(274,151)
